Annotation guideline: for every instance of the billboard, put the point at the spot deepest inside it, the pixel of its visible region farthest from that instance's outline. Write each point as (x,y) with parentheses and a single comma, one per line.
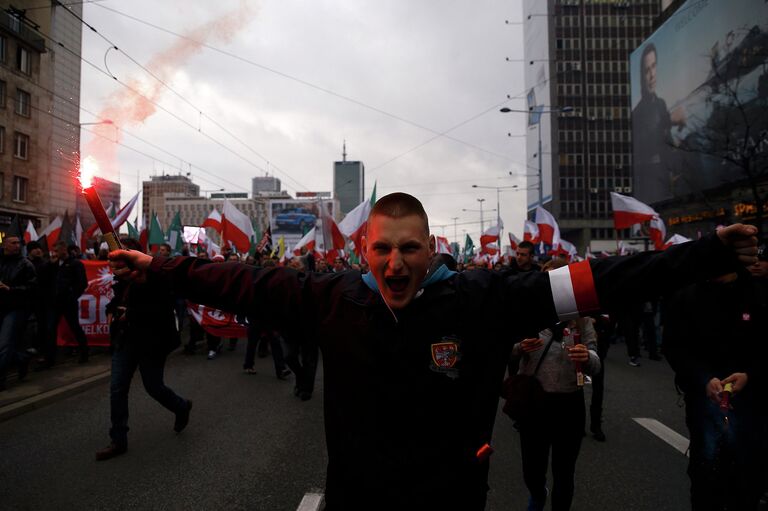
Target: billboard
(699,92)
(292,218)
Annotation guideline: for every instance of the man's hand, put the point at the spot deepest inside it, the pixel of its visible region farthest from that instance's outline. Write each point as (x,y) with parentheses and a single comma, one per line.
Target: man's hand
(738,380)
(529,345)
(741,239)
(578,353)
(129,264)
(714,389)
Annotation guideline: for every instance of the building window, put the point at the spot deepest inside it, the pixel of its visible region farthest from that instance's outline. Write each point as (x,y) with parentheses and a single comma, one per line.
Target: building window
(14,23)
(23,102)
(2,94)
(2,139)
(3,49)
(21,146)
(20,185)
(23,60)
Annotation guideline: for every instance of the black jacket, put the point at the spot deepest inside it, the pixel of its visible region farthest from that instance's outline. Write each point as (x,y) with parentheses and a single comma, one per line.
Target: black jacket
(143,317)
(69,281)
(410,399)
(17,273)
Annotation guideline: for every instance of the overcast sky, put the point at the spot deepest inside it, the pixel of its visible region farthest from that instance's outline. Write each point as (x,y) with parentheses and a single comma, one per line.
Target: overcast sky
(387,77)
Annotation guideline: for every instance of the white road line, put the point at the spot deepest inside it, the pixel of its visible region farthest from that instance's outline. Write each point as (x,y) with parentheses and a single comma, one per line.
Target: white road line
(666,433)
(310,502)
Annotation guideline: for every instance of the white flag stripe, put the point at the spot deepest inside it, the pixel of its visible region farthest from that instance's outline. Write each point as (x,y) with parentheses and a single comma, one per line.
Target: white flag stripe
(562,293)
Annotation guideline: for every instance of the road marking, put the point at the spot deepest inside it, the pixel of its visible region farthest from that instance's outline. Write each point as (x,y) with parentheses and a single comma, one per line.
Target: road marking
(311,502)
(666,433)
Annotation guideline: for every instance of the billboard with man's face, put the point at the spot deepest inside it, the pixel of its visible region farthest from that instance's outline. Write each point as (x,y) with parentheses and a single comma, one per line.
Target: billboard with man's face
(699,97)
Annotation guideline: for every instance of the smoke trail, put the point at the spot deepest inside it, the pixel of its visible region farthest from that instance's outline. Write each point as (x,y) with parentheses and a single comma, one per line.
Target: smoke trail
(125,108)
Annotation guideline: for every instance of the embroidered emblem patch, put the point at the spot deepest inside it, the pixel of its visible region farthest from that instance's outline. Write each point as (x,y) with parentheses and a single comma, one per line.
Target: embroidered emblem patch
(445,356)
(746,317)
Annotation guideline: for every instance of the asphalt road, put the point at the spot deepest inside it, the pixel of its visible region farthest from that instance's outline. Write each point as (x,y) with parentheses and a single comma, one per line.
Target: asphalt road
(252,445)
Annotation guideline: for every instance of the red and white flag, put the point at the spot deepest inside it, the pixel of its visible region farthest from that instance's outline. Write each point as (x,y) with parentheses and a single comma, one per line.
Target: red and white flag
(531,232)
(573,290)
(676,239)
(213,221)
(328,238)
(29,233)
(513,241)
(53,231)
(628,211)
(657,231)
(119,219)
(489,240)
(442,245)
(308,242)
(236,227)
(549,232)
(79,234)
(355,223)
(565,249)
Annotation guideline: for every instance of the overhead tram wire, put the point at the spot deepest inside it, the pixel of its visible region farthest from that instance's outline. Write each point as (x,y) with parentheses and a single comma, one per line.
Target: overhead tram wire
(166,110)
(303,82)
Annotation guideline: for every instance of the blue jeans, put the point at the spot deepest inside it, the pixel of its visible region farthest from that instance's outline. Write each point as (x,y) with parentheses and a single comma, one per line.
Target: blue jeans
(724,461)
(11,323)
(151,366)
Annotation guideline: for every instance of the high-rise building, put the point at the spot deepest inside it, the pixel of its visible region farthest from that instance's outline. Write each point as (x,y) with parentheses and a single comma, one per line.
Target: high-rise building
(39,111)
(264,185)
(577,56)
(348,183)
(160,187)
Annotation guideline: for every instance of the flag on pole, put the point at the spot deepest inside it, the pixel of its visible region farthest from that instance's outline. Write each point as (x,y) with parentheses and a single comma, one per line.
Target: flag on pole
(133,232)
(675,239)
(531,232)
(549,231)
(265,244)
(355,223)
(514,241)
(657,231)
(442,246)
(176,234)
(213,221)
(628,211)
(469,247)
(307,242)
(489,240)
(80,238)
(156,236)
(236,227)
(29,233)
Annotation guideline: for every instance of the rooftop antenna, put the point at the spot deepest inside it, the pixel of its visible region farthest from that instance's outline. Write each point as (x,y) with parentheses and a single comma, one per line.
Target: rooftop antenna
(344,151)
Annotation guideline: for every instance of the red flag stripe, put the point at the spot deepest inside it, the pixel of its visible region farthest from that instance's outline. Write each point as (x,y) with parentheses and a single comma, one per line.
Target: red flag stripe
(573,290)
(626,219)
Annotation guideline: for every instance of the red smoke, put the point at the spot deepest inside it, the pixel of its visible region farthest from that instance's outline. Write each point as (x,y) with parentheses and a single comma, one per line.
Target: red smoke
(126,108)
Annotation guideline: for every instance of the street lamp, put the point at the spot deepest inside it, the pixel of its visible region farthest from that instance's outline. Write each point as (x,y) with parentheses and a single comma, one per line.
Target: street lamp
(479,211)
(498,203)
(506,110)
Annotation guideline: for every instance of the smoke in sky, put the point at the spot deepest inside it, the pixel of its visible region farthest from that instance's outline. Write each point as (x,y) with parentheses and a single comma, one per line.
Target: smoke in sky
(126,109)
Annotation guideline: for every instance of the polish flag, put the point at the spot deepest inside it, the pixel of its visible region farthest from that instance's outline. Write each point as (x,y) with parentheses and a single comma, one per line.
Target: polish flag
(513,241)
(675,239)
(213,221)
(489,240)
(628,211)
(565,249)
(573,290)
(331,242)
(307,241)
(355,223)
(119,218)
(442,245)
(549,232)
(29,233)
(52,231)
(236,227)
(657,231)
(531,232)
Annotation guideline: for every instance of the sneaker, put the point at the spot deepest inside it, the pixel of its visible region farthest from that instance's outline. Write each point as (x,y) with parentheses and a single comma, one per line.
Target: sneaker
(111,451)
(634,362)
(211,354)
(182,418)
(587,380)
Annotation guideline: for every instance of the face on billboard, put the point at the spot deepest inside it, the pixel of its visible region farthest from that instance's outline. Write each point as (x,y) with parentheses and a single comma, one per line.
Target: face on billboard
(649,71)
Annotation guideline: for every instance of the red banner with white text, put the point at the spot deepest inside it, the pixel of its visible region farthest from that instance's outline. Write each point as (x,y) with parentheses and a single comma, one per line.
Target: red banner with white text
(92,307)
(216,322)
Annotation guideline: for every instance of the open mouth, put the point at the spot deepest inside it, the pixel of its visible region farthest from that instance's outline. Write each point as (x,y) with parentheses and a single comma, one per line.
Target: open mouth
(397,284)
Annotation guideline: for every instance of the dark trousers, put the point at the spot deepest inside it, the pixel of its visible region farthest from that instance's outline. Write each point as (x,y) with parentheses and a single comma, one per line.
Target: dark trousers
(302,360)
(630,329)
(70,311)
(255,335)
(598,383)
(151,366)
(558,427)
(649,333)
(725,462)
(11,326)
(196,335)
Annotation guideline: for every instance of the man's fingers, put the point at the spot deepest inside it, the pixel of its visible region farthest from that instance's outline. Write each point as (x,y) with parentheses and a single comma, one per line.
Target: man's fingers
(749,241)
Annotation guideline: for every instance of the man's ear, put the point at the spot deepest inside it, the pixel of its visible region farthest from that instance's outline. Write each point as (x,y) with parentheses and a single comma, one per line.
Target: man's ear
(364,245)
(432,245)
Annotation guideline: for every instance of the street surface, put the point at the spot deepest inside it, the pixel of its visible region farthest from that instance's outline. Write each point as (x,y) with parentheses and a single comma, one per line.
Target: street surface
(252,445)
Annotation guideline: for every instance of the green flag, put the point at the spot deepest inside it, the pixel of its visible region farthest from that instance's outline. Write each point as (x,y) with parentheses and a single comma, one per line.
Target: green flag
(176,234)
(156,236)
(256,237)
(133,232)
(469,247)
(373,195)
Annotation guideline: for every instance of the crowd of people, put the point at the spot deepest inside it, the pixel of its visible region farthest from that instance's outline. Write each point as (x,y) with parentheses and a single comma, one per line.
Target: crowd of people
(413,367)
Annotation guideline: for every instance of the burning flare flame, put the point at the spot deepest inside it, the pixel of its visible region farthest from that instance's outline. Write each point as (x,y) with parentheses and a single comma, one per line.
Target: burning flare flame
(88,169)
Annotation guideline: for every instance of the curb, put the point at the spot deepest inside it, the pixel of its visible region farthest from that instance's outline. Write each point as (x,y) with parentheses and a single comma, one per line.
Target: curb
(40,400)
